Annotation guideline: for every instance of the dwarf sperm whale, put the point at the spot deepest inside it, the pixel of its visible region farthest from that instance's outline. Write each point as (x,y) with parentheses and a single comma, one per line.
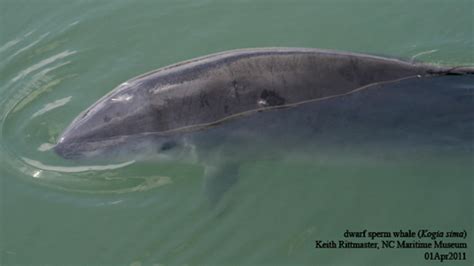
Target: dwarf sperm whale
(161,108)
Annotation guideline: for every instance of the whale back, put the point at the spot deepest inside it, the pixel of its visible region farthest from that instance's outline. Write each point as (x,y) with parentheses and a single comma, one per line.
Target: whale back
(207,91)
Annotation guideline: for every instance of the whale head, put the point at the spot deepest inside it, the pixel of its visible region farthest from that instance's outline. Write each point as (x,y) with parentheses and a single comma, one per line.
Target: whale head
(122,124)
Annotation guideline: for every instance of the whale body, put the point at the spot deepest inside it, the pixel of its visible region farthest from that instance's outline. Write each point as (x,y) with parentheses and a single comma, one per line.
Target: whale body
(162,109)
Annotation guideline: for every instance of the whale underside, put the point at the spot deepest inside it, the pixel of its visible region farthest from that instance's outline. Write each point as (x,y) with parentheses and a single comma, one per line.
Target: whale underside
(256,104)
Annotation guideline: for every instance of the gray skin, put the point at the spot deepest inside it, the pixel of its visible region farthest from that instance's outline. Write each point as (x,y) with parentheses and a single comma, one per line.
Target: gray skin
(157,110)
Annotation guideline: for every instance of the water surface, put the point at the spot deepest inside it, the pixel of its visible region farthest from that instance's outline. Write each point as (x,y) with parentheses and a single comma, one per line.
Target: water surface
(58,57)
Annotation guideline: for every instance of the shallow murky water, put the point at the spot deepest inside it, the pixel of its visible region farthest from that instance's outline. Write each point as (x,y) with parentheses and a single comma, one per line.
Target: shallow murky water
(389,158)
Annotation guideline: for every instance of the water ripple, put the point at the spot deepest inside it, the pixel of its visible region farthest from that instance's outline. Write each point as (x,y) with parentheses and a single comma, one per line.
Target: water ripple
(53,105)
(23,113)
(75,169)
(42,63)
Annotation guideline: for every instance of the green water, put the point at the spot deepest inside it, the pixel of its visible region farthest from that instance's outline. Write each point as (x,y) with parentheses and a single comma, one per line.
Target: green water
(58,57)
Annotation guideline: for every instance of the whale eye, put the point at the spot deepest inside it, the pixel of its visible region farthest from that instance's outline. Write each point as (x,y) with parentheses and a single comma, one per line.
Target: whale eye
(167,145)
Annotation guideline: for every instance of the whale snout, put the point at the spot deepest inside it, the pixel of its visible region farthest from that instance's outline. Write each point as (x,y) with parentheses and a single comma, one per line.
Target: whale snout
(78,149)
(67,149)
(108,125)
(64,152)
(78,142)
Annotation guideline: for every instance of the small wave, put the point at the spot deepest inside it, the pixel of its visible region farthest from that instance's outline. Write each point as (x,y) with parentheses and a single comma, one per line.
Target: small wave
(53,105)
(75,169)
(42,63)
